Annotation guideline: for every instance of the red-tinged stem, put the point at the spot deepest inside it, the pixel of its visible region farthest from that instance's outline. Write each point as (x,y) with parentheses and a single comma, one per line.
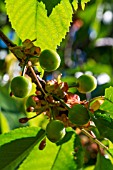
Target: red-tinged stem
(38,82)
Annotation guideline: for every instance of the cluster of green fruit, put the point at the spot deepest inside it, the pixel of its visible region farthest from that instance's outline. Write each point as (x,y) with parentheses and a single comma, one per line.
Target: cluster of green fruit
(57,99)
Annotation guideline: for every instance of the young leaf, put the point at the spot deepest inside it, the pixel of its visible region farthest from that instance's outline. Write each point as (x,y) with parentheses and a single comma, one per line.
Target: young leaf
(52,157)
(30,20)
(104,123)
(108,103)
(12,153)
(103,163)
(109,93)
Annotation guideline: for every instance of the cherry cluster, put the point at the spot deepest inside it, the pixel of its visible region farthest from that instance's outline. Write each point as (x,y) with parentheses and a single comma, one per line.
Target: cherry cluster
(52,98)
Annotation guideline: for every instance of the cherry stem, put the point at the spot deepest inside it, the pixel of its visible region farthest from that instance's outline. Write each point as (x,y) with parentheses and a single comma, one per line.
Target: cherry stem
(6,40)
(34,40)
(31,117)
(24,67)
(64,104)
(23,70)
(35,76)
(95,140)
(52,113)
(73,85)
(34,116)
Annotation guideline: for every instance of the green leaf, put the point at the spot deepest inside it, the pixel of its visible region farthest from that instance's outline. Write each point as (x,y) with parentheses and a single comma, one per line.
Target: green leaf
(30,20)
(83,2)
(50,5)
(89,168)
(51,158)
(12,153)
(103,163)
(11,107)
(109,93)
(75,4)
(18,134)
(108,103)
(111,151)
(104,124)
(79,153)
(4,126)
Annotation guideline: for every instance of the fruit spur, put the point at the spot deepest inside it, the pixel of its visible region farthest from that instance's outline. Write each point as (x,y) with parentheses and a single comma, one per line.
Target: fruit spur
(54,103)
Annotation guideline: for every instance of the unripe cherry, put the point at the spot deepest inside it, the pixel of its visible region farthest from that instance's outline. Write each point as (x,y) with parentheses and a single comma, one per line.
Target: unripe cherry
(78,115)
(20,86)
(49,60)
(86,83)
(55,130)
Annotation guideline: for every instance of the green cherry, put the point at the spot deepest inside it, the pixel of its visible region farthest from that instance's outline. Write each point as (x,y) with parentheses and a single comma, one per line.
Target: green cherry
(20,86)
(86,83)
(49,60)
(55,130)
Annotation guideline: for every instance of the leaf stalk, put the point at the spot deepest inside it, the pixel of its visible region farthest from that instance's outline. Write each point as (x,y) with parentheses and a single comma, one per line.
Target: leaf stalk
(96,141)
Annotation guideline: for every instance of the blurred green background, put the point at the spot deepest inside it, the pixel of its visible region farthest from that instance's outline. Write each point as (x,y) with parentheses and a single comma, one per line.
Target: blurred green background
(87,48)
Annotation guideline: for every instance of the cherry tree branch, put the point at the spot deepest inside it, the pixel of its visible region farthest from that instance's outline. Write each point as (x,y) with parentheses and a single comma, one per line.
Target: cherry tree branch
(6,40)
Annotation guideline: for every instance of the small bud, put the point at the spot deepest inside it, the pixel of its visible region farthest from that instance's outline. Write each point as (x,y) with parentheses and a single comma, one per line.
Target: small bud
(11,94)
(23,120)
(38,50)
(36,99)
(30,109)
(42,144)
(39,93)
(50,99)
